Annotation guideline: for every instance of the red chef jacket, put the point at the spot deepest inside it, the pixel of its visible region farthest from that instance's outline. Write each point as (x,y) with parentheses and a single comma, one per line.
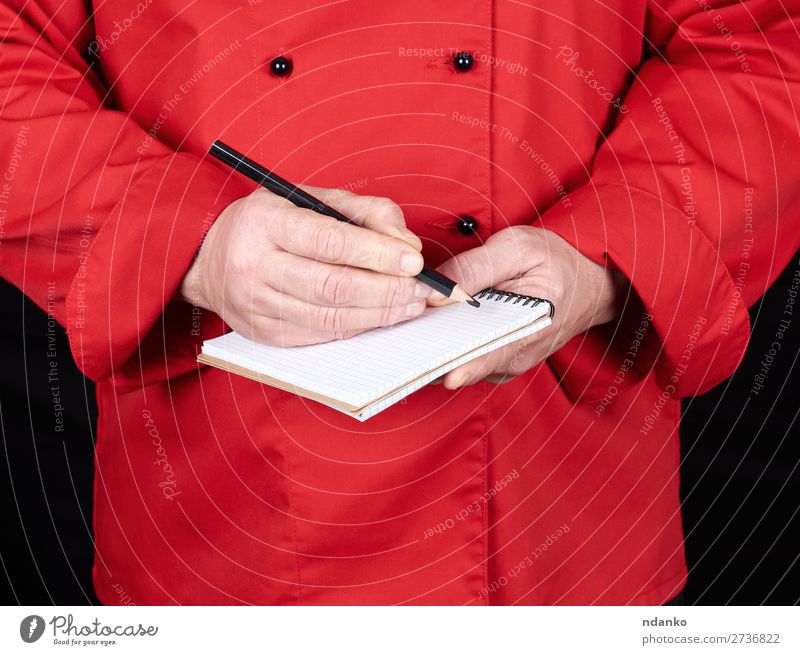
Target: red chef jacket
(660,138)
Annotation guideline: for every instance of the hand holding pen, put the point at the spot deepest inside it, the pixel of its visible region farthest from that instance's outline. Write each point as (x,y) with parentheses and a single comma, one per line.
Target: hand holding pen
(288,276)
(301,198)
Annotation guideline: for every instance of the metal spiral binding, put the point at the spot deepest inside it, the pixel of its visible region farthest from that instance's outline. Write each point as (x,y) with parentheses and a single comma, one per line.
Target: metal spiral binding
(497,294)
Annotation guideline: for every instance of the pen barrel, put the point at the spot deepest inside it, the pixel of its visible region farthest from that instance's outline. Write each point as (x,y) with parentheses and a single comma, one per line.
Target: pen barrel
(273,182)
(436,281)
(316,205)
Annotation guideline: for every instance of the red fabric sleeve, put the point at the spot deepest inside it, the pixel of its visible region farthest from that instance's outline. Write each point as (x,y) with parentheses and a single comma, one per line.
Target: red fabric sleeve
(694,196)
(97,234)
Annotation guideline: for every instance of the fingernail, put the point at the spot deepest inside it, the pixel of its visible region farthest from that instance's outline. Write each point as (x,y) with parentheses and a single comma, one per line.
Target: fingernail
(411,263)
(415,309)
(422,290)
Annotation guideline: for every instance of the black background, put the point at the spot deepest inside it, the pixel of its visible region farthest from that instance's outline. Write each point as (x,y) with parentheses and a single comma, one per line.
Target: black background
(739,476)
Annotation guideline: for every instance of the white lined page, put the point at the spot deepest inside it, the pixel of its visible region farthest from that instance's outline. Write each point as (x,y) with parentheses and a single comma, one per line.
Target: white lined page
(369,366)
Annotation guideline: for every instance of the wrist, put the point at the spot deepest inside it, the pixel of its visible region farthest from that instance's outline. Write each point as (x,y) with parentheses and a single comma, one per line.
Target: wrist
(191,288)
(611,293)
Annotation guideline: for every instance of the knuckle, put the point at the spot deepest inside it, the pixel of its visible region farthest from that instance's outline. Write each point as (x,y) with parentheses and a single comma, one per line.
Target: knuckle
(387,210)
(330,319)
(254,211)
(345,196)
(329,244)
(518,240)
(272,229)
(379,209)
(395,291)
(261,194)
(558,288)
(259,197)
(388,316)
(334,288)
(237,267)
(380,254)
(249,204)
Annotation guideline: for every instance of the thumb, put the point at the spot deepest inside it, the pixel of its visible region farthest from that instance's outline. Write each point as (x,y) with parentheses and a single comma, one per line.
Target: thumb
(501,258)
(375,213)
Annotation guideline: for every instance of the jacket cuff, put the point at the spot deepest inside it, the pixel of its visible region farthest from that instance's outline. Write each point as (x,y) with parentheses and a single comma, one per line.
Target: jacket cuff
(130,273)
(684,320)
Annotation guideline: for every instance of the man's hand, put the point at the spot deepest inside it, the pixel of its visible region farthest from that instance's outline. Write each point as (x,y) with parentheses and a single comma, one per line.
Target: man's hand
(287,276)
(534,262)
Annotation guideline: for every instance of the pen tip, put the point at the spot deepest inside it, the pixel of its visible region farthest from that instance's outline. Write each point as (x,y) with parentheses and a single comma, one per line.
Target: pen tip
(462,296)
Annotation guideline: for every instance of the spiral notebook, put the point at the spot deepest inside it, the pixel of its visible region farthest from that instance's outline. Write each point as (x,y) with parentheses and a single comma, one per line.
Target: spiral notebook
(365,374)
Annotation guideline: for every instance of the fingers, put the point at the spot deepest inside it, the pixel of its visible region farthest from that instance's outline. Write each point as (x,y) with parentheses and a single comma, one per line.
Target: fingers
(504,256)
(320,238)
(498,366)
(274,332)
(320,283)
(327,318)
(378,214)
(288,276)
(475,370)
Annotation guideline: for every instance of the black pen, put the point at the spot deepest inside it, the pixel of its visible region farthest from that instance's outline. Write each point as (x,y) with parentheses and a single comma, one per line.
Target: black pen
(300,198)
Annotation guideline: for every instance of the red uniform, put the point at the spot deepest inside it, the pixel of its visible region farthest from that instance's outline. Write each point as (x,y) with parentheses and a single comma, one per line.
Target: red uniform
(658,137)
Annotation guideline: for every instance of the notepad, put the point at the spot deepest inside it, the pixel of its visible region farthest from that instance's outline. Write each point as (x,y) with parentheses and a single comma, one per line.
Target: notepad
(370,372)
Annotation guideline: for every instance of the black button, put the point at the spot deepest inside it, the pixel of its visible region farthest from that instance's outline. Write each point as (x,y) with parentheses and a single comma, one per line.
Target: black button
(467,225)
(463,61)
(281,66)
